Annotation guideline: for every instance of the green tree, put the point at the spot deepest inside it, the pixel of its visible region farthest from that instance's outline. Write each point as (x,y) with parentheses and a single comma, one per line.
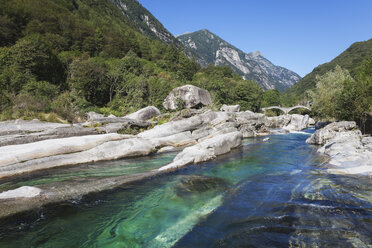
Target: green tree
(327,93)
(88,79)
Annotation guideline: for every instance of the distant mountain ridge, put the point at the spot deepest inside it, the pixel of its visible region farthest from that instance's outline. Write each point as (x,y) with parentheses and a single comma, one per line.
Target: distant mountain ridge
(349,59)
(145,21)
(214,50)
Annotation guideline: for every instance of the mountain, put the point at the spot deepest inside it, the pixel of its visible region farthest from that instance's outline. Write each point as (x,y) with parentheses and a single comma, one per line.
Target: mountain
(350,59)
(144,20)
(214,50)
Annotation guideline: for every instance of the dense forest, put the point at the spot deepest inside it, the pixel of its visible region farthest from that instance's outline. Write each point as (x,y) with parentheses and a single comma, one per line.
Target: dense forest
(60,59)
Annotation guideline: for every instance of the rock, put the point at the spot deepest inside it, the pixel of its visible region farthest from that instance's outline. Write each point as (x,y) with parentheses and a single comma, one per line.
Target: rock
(24,127)
(311,121)
(278,121)
(144,114)
(250,118)
(166,149)
(320,124)
(367,143)
(189,96)
(111,116)
(185,113)
(348,151)
(92,116)
(206,150)
(175,140)
(20,153)
(107,151)
(329,131)
(266,139)
(50,133)
(298,122)
(190,184)
(248,131)
(230,109)
(174,127)
(24,191)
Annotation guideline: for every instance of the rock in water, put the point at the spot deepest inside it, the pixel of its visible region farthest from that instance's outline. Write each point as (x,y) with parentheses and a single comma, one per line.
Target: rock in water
(189,96)
(144,114)
(198,184)
(298,122)
(230,108)
(347,149)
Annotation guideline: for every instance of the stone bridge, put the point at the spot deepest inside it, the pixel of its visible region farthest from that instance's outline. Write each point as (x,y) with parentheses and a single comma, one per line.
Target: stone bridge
(285,110)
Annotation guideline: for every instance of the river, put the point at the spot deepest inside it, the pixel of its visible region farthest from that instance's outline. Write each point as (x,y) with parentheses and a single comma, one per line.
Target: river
(263,194)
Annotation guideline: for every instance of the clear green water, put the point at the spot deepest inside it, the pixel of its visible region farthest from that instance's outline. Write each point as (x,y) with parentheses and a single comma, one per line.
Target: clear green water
(265,194)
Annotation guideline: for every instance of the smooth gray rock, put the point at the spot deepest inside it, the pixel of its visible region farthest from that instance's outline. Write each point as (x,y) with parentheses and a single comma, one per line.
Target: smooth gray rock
(174,127)
(92,116)
(250,118)
(20,153)
(298,122)
(21,192)
(166,149)
(205,150)
(248,131)
(187,96)
(323,135)
(107,151)
(278,121)
(22,127)
(311,121)
(144,114)
(346,148)
(230,108)
(185,113)
(50,133)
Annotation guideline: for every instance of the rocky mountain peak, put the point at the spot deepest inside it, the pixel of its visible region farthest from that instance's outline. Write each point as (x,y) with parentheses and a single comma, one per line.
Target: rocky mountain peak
(214,50)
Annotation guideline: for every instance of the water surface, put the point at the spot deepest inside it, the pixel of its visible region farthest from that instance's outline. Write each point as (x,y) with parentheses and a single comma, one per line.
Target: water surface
(264,194)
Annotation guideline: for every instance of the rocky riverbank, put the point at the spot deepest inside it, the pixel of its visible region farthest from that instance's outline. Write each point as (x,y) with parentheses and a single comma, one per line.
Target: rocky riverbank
(205,134)
(349,151)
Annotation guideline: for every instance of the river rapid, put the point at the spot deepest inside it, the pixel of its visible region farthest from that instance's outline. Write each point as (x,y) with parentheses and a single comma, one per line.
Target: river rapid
(263,194)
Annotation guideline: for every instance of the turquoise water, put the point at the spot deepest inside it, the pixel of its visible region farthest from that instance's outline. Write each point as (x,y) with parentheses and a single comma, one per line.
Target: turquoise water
(264,194)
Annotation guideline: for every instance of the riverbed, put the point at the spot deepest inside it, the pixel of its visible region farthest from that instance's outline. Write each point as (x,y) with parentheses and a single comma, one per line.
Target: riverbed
(264,194)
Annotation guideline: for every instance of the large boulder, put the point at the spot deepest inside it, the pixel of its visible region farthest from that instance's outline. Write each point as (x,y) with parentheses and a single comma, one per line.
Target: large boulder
(278,121)
(298,122)
(230,108)
(187,96)
(323,135)
(144,114)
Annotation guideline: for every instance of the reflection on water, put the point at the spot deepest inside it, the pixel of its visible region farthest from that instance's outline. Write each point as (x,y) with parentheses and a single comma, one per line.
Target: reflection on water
(265,194)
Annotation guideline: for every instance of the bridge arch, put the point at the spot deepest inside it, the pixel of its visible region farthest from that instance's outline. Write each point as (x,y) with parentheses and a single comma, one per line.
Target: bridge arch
(286,110)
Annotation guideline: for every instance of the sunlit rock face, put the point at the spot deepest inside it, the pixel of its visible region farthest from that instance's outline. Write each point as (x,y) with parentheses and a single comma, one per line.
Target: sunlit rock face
(187,96)
(348,150)
(214,50)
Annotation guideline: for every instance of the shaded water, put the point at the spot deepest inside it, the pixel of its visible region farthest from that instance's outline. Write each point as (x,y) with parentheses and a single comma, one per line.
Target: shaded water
(264,194)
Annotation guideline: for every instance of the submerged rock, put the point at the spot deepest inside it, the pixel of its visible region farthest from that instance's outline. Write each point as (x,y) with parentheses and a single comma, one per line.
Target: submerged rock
(191,184)
(187,96)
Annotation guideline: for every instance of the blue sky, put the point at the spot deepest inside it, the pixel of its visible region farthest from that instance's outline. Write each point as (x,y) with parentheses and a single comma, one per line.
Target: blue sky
(296,34)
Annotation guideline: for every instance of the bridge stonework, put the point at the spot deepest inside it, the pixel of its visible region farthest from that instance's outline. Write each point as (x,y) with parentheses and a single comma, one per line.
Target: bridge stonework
(286,110)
